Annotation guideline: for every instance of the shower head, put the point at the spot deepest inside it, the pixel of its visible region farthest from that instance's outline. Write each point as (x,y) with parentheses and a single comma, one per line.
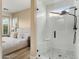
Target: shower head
(64,12)
(61,13)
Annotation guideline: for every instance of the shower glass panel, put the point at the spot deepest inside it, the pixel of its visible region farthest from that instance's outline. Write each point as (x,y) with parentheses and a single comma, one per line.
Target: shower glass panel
(55,32)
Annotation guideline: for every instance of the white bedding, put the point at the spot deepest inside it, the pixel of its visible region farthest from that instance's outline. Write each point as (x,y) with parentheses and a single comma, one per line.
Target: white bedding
(11,44)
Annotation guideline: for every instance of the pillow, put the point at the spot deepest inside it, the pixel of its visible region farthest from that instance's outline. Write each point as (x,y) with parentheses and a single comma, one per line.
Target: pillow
(14,34)
(23,33)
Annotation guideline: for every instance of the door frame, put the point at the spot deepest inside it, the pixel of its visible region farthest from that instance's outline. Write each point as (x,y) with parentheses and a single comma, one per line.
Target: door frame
(33,30)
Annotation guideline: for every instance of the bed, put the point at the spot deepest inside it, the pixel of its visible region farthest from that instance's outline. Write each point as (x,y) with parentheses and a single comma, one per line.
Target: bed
(13,44)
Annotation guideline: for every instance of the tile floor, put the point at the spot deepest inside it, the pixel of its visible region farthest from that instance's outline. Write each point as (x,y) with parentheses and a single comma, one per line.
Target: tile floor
(23,54)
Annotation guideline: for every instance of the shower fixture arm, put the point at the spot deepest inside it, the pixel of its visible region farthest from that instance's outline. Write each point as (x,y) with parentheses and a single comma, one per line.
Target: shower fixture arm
(75,18)
(75,23)
(71,14)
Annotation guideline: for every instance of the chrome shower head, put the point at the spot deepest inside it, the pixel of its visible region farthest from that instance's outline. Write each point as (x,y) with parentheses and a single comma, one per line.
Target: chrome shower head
(63,12)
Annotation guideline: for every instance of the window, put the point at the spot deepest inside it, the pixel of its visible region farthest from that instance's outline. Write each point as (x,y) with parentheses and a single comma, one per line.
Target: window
(5,26)
(15,23)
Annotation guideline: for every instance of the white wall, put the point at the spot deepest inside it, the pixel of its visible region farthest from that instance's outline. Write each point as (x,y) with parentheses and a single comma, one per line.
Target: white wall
(61,4)
(24,18)
(6,14)
(64,29)
(0,30)
(0,38)
(64,32)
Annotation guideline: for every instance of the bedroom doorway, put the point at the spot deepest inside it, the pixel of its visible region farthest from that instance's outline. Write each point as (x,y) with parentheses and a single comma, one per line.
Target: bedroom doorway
(16,29)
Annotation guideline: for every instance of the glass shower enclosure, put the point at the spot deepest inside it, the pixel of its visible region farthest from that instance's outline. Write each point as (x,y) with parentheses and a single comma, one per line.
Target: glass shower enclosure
(55,33)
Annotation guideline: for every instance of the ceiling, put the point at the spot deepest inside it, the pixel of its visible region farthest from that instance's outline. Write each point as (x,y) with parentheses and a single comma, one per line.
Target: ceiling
(48,2)
(15,5)
(18,5)
(58,4)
